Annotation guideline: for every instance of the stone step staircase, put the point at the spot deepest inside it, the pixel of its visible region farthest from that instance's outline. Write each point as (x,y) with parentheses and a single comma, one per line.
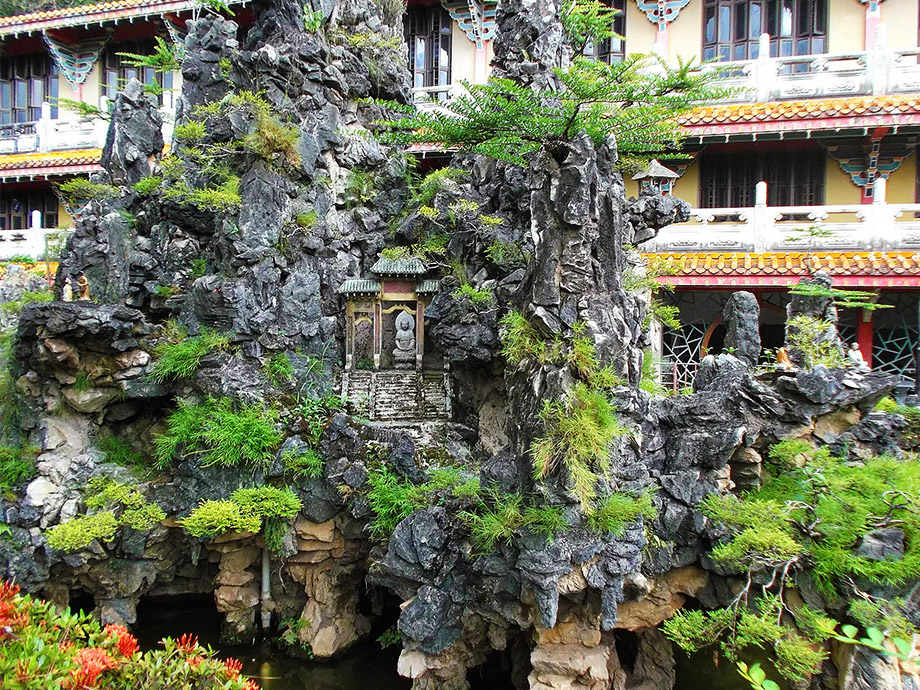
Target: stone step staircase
(398,395)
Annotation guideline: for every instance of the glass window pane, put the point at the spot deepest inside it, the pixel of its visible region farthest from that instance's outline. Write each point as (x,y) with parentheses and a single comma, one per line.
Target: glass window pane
(785,27)
(725,23)
(21,94)
(710,25)
(740,22)
(756,28)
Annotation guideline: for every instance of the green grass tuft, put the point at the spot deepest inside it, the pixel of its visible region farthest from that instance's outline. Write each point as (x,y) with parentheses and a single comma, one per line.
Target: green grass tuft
(180,359)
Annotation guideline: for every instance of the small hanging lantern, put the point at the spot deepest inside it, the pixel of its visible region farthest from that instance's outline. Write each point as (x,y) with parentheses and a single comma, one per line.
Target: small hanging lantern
(656,179)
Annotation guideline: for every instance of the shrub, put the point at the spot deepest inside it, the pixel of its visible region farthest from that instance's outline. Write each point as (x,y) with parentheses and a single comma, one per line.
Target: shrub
(82,530)
(180,359)
(810,339)
(520,339)
(578,434)
(148,184)
(478,298)
(496,522)
(305,220)
(211,518)
(616,511)
(27,297)
(508,255)
(307,464)
(360,189)
(120,452)
(80,190)
(273,141)
(222,434)
(267,501)
(278,368)
(545,520)
(44,647)
(316,413)
(190,132)
(17,466)
(790,453)
(392,499)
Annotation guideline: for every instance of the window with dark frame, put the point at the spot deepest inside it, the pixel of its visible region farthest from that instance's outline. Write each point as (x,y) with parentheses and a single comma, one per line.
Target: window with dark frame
(731,28)
(16,209)
(26,81)
(117,72)
(794,178)
(612,49)
(428,32)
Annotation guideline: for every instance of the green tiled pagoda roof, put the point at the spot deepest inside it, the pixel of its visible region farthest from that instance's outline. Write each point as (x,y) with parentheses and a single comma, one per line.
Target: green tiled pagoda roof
(359,285)
(399,267)
(428,286)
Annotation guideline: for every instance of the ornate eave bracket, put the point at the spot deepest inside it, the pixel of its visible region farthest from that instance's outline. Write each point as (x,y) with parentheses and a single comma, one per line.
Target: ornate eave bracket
(476,18)
(877,158)
(76,60)
(661,12)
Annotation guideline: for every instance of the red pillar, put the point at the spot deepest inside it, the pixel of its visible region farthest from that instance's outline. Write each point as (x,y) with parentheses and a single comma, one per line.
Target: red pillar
(864,335)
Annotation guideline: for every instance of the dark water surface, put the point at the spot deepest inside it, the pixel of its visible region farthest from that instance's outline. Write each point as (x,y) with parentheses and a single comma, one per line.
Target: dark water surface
(367,667)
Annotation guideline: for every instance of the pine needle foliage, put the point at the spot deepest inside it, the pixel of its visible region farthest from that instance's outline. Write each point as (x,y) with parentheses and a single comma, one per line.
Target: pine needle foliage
(179,358)
(844,299)
(586,23)
(166,57)
(579,432)
(617,511)
(221,432)
(810,338)
(637,100)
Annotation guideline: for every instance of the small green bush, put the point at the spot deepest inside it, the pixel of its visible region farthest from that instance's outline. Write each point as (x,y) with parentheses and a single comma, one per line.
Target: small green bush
(199,267)
(148,184)
(392,499)
(478,298)
(212,518)
(520,339)
(27,297)
(81,531)
(306,220)
(190,132)
(17,466)
(80,190)
(278,369)
(578,434)
(616,511)
(434,182)
(808,337)
(180,359)
(220,433)
(274,141)
(545,520)
(308,464)
(790,452)
(267,501)
(120,452)
(496,522)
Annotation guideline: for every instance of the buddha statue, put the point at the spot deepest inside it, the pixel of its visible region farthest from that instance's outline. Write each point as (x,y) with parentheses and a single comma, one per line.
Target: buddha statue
(404,354)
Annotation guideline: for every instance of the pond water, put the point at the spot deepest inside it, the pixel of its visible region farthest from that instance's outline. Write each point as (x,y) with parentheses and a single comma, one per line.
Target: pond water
(367,666)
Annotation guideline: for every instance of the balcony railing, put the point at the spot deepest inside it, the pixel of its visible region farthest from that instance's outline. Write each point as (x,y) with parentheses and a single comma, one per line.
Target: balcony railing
(48,134)
(430,97)
(34,242)
(874,72)
(878,226)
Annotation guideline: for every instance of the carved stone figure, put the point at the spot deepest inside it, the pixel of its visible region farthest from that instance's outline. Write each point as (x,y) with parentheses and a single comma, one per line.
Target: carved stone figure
(83,287)
(782,359)
(67,291)
(855,357)
(404,354)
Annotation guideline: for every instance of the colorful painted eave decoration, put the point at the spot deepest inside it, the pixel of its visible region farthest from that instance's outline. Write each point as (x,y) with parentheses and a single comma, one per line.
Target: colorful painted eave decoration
(716,270)
(475,17)
(109,12)
(661,12)
(43,165)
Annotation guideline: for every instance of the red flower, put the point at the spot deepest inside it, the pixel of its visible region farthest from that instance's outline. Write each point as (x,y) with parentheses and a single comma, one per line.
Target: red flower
(188,643)
(8,590)
(251,685)
(93,662)
(195,661)
(233,668)
(125,641)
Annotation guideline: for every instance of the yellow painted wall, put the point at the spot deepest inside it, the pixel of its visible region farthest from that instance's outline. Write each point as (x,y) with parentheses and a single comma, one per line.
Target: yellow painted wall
(838,187)
(902,183)
(688,185)
(463,54)
(846,29)
(901,20)
(64,219)
(685,34)
(640,32)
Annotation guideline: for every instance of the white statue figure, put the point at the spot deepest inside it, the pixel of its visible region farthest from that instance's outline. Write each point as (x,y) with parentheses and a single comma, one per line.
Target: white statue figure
(855,356)
(404,354)
(67,291)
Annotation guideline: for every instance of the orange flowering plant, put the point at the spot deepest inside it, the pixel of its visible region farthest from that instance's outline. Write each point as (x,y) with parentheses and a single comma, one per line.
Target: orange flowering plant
(44,648)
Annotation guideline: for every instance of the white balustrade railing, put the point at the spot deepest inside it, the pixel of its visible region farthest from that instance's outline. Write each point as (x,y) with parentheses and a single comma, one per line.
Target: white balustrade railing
(878,226)
(67,132)
(873,72)
(33,242)
(430,97)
